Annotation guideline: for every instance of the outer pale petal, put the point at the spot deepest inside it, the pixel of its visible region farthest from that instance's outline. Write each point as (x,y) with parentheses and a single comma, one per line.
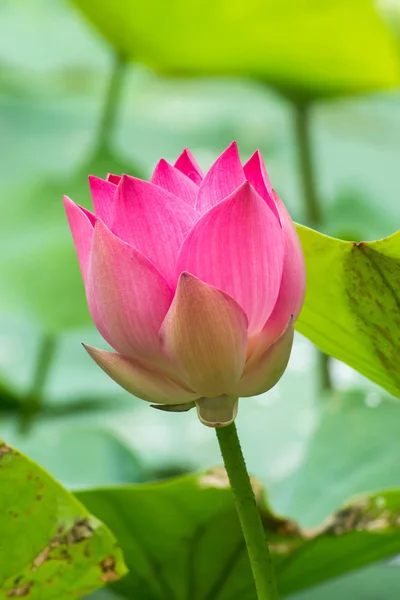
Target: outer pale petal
(81,224)
(223,177)
(261,375)
(174,181)
(140,381)
(128,298)
(257,175)
(238,247)
(103,196)
(205,333)
(153,220)
(186,164)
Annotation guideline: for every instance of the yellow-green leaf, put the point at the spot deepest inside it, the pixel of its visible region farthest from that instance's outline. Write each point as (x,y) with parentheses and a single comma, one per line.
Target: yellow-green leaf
(50,545)
(352,305)
(309,47)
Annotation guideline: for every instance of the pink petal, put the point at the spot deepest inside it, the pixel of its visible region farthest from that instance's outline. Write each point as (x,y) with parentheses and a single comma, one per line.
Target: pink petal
(261,375)
(174,181)
(128,298)
(139,380)
(81,223)
(186,164)
(153,220)
(238,247)
(205,333)
(223,178)
(293,285)
(257,175)
(103,196)
(113,178)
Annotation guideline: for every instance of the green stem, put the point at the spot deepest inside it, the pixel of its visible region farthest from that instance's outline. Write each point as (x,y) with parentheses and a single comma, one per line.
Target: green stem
(111,105)
(312,206)
(249,516)
(33,402)
(325,378)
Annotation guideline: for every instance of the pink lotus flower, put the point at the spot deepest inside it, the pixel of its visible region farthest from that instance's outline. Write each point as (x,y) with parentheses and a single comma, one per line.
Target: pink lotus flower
(194,281)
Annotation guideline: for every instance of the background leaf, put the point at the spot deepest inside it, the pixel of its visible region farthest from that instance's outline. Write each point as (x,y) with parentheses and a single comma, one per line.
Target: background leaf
(373,583)
(289,44)
(365,460)
(50,545)
(182,538)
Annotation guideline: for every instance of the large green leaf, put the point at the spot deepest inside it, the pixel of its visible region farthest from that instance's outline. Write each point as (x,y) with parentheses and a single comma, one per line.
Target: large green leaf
(50,545)
(291,44)
(352,306)
(182,539)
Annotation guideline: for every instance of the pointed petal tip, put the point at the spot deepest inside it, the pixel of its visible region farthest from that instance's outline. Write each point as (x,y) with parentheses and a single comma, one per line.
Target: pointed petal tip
(103,194)
(224,176)
(67,201)
(94,180)
(92,351)
(174,181)
(256,173)
(187,164)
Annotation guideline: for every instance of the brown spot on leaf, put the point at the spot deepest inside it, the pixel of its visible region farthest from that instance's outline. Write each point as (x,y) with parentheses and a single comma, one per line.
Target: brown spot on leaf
(41,558)
(217,477)
(280,548)
(281,526)
(364,515)
(214,478)
(82,530)
(65,555)
(108,571)
(20,591)
(4,449)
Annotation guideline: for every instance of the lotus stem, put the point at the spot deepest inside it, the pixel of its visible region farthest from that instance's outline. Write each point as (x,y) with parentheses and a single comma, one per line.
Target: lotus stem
(112,99)
(312,206)
(33,402)
(249,516)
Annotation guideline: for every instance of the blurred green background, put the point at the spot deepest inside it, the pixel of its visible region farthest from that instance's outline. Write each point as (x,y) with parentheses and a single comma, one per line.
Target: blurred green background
(313,443)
